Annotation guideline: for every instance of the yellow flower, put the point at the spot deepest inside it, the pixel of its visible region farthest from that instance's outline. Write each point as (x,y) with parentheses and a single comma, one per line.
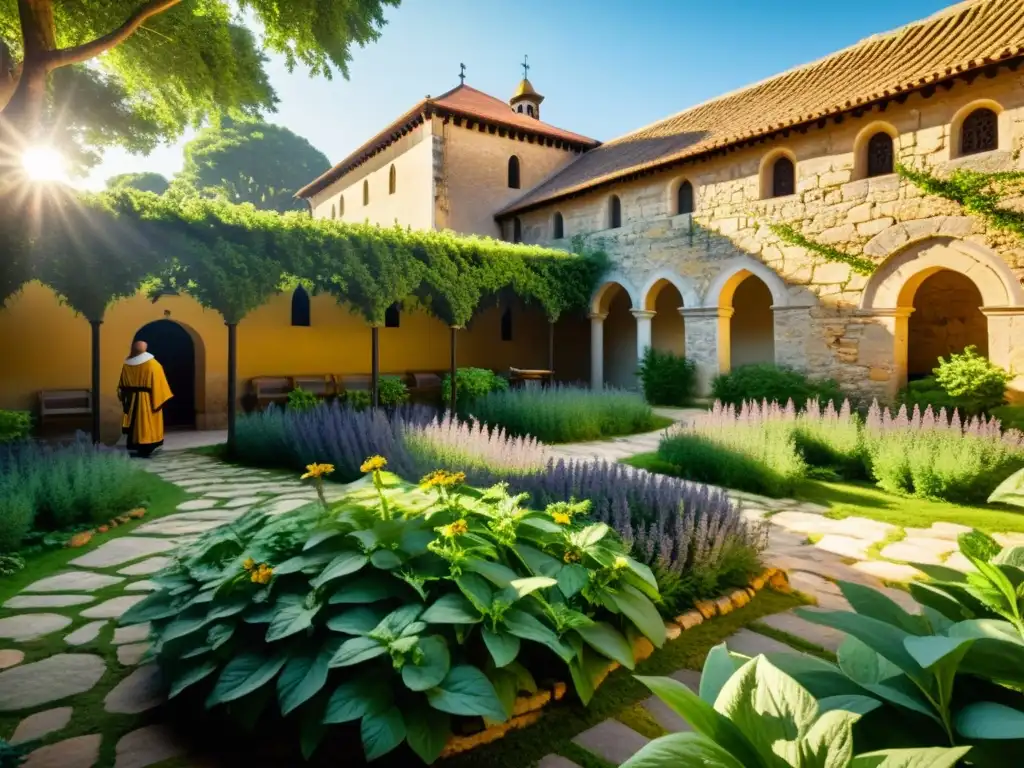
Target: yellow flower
(561,518)
(571,557)
(457,528)
(249,564)
(317,470)
(373,463)
(263,574)
(620,563)
(443,479)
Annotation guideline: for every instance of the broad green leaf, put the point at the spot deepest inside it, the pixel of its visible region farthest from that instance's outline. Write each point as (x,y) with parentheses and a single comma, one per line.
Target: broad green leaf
(304,675)
(356,698)
(432,666)
(829,742)
(415,628)
(303,561)
(939,600)
(452,608)
(191,676)
(641,611)
(705,720)
(718,668)
(930,757)
(496,573)
(477,590)
(1010,491)
(768,706)
(219,634)
(385,560)
(978,545)
(244,674)
(677,750)
(858,705)
(884,639)
(821,678)
(503,646)
(989,720)
(543,524)
(317,537)
(864,665)
(311,729)
(368,588)
(190,621)
(232,606)
(607,640)
(929,651)
(529,627)
(290,619)
(382,732)
(466,691)
(643,571)
(342,565)
(396,621)
(523,587)
(590,535)
(427,731)
(357,621)
(415,541)
(156,605)
(1013,556)
(524,678)
(587,668)
(538,562)
(870,602)
(941,573)
(357,650)
(572,578)
(505,687)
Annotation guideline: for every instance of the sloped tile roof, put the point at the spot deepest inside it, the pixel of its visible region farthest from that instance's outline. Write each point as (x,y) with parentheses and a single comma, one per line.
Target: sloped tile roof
(960,38)
(462,101)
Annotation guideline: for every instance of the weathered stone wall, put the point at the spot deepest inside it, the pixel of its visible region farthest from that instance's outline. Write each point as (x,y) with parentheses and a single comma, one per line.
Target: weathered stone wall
(820,323)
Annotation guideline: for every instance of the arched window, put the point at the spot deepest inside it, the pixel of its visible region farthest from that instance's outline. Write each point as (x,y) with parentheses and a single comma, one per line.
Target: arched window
(341,206)
(366,192)
(513,172)
(300,307)
(517,230)
(558,227)
(614,212)
(529,109)
(506,324)
(684,198)
(783,177)
(980,132)
(334,213)
(519,109)
(880,154)
(392,316)
(392,180)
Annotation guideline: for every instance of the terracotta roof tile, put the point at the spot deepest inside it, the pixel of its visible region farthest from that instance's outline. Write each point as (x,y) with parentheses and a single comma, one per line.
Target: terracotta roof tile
(962,37)
(463,101)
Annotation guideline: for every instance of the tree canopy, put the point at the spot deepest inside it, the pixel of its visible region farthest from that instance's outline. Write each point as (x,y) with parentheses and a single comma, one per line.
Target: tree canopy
(252,162)
(161,65)
(147,181)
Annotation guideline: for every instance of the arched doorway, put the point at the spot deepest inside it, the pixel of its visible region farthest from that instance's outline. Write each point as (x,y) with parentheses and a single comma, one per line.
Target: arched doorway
(752,326)
(668,332)
(619,339)
(173,347)
(947,318)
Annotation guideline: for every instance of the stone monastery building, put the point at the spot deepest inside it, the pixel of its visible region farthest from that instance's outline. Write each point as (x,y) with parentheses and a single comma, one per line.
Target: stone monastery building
(682,206)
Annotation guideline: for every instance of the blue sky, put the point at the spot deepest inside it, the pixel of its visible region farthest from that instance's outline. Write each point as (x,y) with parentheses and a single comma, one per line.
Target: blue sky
(604,67)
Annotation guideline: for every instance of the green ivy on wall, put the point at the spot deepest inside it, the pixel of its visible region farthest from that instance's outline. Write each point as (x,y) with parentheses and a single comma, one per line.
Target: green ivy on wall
(980,193)
(791,235)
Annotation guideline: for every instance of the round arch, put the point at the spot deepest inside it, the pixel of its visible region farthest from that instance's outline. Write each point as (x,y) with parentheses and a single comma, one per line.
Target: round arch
(957,123)
(600,298)
(672,194)
(765,171)
(180,350)
(682,284)
(734,272)
(860,145)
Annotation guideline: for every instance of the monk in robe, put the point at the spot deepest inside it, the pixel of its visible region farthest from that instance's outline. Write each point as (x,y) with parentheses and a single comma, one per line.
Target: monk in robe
(143,392)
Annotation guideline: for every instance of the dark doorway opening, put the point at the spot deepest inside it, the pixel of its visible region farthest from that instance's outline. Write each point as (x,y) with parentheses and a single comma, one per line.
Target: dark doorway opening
(173,348)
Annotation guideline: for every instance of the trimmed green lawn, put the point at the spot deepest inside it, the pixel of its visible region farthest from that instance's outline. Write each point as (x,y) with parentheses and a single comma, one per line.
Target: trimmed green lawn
(867,500)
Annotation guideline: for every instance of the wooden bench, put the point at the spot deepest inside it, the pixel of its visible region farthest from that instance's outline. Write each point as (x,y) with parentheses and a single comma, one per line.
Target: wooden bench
(59,403)
(321,385)
(520,377)
(270,389)
(352,381)
(425,381)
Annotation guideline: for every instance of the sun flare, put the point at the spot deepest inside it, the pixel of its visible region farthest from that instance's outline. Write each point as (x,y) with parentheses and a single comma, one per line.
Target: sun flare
(44,164)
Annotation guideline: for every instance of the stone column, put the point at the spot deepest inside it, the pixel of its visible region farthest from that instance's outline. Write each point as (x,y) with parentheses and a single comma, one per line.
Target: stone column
(882,350)
(707,342)
(643,330)
(597,349)
(1005,324)
(792,333)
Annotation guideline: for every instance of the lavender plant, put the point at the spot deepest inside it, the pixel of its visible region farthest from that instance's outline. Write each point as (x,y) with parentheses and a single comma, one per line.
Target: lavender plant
(469,446)
(940,455)
(751,449)
(830,438)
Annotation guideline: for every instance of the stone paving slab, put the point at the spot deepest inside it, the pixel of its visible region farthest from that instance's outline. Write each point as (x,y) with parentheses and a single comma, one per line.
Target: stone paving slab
(41,724)
(751,643)
(844,546)
(86,633)
(144,585)
(47,601)
(54,678)
(887,571)
(122,550)
(919,550)
(29,626)
(816,634)
(611,741)
(148,746)
(140,691)
(79,752)
(112,608)
(664,715)
(556,761)
(11,658)
(131,654)
(136,633)
(73,581)
(146,567)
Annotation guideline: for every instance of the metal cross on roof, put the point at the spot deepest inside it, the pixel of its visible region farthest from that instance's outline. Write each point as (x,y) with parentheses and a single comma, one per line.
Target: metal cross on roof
(462,74)
(526,67)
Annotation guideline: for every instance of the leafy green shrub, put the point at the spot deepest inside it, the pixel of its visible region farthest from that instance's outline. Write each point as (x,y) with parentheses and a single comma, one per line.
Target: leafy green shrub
(774,383)
(565,414)
(397,608)
(10,565)
(391,391)
(831,439)
(357,399)
(1010,416)
(752,449)
(667,378)
(14,425)
(51,489)
(470,384)
(926,392)
(301,400)
(973,381)
(750,713)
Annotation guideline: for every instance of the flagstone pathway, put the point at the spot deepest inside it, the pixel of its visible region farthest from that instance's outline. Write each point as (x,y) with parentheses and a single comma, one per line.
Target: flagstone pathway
(73,659)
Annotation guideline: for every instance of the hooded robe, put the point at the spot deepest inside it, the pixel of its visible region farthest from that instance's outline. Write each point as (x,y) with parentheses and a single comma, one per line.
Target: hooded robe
(143,391)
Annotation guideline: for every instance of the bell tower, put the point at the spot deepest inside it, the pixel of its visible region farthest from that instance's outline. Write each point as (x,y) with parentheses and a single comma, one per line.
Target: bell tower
(526,100)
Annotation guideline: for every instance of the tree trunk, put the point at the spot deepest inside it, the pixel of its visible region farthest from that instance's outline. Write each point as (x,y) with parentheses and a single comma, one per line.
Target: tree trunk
(95,325)
(375,366)
(551,352)
(452,370)
(232,383)
(23,115)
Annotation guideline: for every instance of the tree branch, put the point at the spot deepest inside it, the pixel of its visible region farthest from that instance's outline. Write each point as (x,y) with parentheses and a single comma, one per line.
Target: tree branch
(86,51)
